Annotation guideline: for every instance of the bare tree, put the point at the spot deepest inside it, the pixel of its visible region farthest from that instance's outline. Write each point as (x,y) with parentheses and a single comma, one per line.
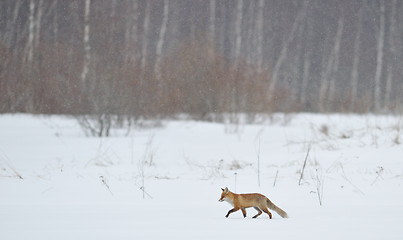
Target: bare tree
(283,54)
(293,72)
(116,45)
(55,24)
(87,47)
(160,43)
(327,80)
(131,33)
(250,36)
(31,33)
(305,79)
(356,59)
(145,35)
(336,56)
(260,34)
(379,58)
(112,16)
(212,27)
(238,30)
(306,63)
(392,54)
(223,26)
(11,23)
(38,22)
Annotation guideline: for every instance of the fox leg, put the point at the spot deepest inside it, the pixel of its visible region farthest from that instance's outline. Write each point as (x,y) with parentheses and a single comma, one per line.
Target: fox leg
(259,212)
(243,212)
(267,211)
(231,211)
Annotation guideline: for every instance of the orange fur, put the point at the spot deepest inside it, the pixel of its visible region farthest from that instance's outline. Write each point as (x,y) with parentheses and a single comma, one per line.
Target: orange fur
(255,200)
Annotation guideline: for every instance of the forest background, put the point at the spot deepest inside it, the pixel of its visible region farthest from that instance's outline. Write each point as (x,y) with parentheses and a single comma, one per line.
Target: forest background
(154,59)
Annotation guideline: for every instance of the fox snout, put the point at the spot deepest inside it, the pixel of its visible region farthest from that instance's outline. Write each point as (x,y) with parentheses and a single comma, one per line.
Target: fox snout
(220,200)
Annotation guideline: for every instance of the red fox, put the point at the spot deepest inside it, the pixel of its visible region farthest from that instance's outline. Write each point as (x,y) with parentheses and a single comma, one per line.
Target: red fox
(255,200)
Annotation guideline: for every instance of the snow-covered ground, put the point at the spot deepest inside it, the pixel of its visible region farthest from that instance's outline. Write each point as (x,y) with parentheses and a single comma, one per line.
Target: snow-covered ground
(56,183)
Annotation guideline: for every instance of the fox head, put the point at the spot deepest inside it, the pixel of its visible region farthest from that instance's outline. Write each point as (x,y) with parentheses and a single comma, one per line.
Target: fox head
(223,194)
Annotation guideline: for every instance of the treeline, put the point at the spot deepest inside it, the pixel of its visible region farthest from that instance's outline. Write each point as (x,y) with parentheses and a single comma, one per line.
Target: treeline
(159,58)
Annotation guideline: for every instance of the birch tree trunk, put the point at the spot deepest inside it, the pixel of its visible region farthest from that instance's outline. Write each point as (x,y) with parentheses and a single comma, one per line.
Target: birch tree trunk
(356,59)
(274,78)
(38,22)
(192,23)
(31,33)
(87,47)
(10,24)
(160,43)
(336,53)
(236,97)
(306,64)
(55,25)
(324,80)
(294,71)
(131,33)
(260,33)
(29,93)
(145,35)
(128,28)
(250,38)
(392,54)
(326,90)
(223,27)
(134,36)
(212,29)
(305,78)
(238,29)
(379,59)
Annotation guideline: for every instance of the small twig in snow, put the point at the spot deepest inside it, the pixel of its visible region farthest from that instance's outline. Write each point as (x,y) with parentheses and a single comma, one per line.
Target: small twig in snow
(103,180)
(303,167)
(275,179)
(235,179)
(379,175)
(144,192)
(349,181)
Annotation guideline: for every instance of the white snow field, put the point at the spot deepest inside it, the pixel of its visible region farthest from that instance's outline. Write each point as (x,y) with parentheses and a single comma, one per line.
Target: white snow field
(57,183)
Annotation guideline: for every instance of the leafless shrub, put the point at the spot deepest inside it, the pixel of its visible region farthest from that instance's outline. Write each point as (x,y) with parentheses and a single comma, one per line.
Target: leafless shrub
(324,129)
(95,125)
(103,157)
(234,165)
(210,171)
(346,135)
(396,139)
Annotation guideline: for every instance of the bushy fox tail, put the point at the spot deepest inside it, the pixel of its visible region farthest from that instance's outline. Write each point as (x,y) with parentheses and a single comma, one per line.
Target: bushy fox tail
(276,209)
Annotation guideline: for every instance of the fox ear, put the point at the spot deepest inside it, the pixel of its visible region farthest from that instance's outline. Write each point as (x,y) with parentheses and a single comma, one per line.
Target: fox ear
(222,189)
(226,190)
